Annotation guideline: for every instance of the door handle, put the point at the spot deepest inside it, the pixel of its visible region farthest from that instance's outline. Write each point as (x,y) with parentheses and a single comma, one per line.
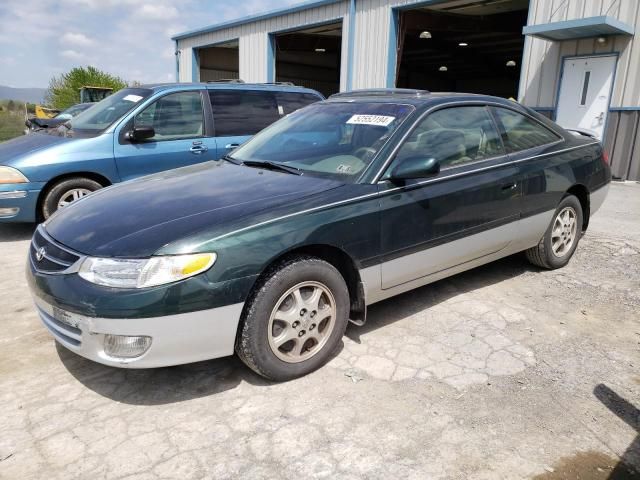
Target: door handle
(509,186)
(232,145)
(198,149)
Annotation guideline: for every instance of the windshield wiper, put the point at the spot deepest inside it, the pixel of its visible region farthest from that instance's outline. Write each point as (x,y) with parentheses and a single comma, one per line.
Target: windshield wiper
(272,166)
(230,159)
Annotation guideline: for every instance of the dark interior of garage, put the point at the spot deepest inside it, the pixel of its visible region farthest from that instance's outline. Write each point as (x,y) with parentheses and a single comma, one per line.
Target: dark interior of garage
(219,62)
(464,46)
(310,57)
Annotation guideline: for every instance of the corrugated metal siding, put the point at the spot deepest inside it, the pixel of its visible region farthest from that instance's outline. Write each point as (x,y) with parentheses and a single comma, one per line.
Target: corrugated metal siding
(622,141)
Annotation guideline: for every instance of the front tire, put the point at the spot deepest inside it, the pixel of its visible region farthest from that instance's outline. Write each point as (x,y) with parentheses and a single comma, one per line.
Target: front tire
(560,241)
(294,320)
(65,192)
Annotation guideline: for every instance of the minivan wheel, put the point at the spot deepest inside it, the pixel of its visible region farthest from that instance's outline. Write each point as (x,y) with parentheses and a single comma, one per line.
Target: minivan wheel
(561,238)
(294,320)
(65,192)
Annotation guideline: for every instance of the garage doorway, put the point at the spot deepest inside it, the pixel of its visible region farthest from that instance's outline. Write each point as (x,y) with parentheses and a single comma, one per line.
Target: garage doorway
(219,62)
(310,57)
(462,46)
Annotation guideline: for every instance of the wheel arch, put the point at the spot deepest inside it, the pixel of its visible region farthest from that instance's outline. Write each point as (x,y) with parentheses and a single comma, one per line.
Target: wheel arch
(581,192)
(101,179)
(343,262)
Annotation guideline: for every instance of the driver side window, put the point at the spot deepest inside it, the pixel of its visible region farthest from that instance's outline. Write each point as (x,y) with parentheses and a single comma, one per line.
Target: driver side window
(454,136)
(174,116)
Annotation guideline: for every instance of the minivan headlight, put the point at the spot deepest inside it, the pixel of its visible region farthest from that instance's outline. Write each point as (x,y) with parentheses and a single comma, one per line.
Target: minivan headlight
(141,273)
(11,175)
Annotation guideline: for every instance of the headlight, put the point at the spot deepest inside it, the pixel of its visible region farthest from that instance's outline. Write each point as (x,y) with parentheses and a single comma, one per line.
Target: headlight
(134,273)
(11,175)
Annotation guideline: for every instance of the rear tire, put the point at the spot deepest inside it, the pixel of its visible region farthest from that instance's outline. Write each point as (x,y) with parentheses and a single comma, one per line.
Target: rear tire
(65,192)
(560,241)
(294,320)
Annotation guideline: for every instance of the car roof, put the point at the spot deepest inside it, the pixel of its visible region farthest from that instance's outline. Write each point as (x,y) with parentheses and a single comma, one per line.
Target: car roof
(235,85)
(418,98)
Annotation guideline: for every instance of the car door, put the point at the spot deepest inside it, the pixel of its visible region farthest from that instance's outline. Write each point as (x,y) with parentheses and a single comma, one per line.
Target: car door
(238,114)
(179,123)
(466,211)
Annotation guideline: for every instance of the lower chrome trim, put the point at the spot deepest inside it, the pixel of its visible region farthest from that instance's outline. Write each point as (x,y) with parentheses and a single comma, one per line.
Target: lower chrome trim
(14,194)
(472,251)
(596,198)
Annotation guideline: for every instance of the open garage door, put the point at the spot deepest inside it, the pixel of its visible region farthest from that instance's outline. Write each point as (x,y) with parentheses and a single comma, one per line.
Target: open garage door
(219,62)
(463,46)
(310,57)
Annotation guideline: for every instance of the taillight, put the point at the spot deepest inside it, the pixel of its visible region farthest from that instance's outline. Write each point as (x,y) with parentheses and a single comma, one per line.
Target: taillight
(605,157)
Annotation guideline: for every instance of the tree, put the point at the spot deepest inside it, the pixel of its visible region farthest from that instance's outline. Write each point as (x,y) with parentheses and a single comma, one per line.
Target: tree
(11,106)
(64,91)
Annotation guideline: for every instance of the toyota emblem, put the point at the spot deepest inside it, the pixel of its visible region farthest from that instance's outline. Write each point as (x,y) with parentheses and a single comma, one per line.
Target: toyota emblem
(40,253)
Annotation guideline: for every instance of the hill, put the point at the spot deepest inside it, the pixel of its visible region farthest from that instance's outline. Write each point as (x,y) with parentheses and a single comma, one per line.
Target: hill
(31,95)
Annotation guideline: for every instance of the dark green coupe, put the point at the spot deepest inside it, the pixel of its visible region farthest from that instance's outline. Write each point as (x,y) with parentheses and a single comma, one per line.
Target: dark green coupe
(272,250)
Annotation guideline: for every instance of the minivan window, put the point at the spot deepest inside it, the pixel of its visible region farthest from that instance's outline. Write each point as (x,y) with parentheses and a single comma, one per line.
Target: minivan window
(521,132)
(289,102)
(100,116)
(242,112)
(454,136)
(174,116)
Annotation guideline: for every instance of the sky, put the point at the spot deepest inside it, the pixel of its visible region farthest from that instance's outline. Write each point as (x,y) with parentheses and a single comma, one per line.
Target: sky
(128,38)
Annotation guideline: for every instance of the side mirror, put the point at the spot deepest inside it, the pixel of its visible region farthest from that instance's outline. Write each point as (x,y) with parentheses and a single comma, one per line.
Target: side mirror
(141,133)
(415,167)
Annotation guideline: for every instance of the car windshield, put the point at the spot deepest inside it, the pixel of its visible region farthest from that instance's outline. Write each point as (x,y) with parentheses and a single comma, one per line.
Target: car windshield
(334,140)
(104,113)
(74,110)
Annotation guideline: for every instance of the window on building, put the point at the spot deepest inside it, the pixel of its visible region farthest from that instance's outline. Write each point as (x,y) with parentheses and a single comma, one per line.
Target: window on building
(239,113)
(174,116)
(522,132)
(454,136)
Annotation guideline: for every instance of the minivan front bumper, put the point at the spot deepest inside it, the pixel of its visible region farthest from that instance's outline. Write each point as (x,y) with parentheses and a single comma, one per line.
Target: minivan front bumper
(18,202)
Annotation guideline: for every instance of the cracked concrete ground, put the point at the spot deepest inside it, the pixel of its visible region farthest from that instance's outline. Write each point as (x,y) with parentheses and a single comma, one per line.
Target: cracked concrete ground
(505,371)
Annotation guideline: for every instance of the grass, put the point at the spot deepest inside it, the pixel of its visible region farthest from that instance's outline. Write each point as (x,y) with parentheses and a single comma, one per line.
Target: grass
(11,125)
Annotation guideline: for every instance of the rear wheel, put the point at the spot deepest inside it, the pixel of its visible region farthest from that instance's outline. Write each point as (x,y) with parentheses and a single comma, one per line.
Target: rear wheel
(65,192)
(294,320)
(561,238)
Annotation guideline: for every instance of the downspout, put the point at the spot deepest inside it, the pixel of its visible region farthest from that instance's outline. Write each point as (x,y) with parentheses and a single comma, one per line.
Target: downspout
(177,55)
(350,46)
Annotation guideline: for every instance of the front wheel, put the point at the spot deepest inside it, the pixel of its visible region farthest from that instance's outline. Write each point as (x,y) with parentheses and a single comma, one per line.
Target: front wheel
(561,238)
(294,320)
(65,192)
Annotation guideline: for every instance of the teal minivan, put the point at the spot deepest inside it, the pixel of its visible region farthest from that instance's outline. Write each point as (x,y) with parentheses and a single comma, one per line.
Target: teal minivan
(135,132)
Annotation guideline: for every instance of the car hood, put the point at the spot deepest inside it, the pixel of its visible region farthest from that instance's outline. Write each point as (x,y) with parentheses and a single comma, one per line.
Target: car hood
(26,144)
(137,218)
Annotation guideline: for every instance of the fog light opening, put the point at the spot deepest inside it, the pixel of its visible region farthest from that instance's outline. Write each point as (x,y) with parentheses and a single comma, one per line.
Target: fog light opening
(9,212)
(123,346)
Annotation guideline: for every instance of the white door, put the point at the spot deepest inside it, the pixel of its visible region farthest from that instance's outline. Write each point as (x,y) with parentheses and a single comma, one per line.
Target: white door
(584,93)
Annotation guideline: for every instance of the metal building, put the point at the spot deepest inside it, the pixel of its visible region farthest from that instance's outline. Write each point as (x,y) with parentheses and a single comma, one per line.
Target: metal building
(577,61)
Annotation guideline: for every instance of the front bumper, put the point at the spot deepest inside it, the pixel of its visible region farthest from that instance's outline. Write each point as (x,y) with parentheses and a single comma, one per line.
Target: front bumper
(175,339)
(18,202)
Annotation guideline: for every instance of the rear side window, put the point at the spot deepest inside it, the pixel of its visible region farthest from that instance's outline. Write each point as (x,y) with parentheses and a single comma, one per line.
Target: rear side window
(522,132)
(242,112)
(289,102)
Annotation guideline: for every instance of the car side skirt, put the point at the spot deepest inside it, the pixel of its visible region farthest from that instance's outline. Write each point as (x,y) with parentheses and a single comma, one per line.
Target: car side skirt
(529,231)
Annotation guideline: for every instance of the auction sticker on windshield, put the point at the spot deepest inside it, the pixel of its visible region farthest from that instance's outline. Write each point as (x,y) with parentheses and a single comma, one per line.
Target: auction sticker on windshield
(377,120)
(133,98)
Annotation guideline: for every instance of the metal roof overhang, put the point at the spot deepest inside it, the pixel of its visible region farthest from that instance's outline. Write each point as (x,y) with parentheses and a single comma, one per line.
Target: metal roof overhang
(579,28)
